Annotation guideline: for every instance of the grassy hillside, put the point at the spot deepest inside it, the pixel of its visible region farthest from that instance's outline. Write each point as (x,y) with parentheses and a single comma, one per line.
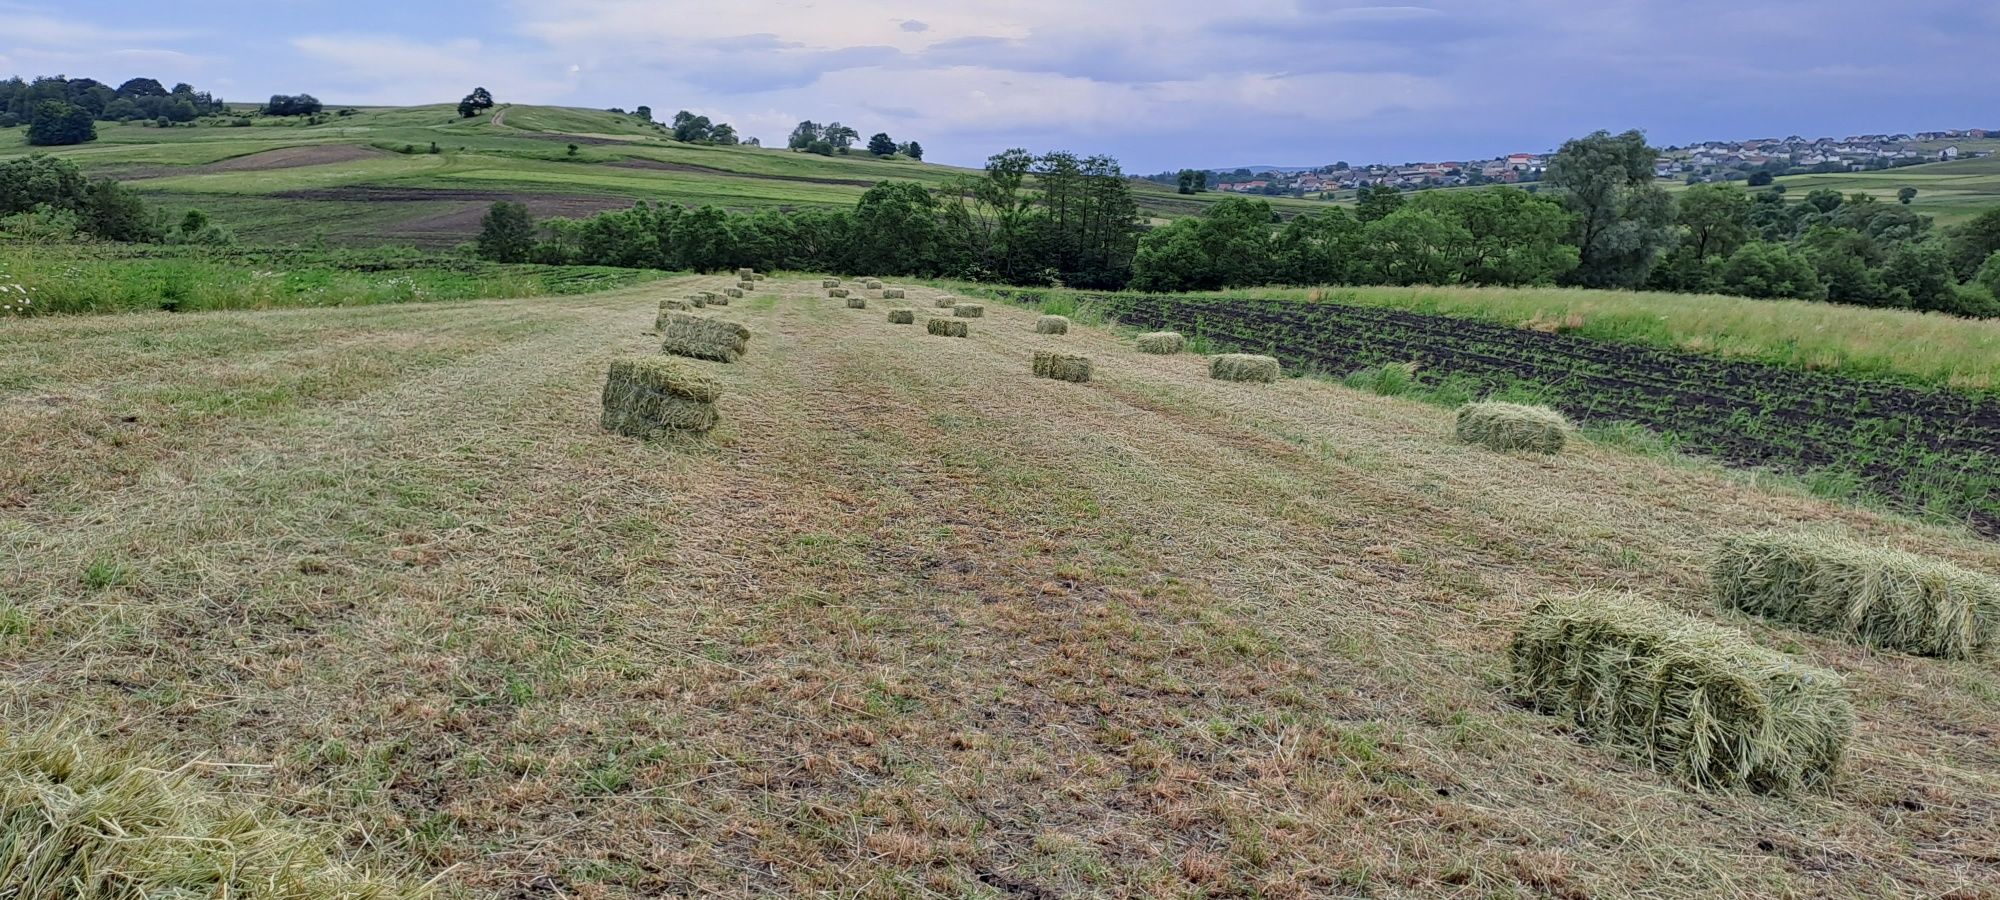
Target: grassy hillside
(912,623)
(369,177)
(1949,192)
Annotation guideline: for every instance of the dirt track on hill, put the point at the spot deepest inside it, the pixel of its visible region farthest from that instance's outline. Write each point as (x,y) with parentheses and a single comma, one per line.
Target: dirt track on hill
(911,622)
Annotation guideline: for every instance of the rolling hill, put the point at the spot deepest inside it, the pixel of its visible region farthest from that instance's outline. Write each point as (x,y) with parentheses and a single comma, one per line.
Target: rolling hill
(423,175)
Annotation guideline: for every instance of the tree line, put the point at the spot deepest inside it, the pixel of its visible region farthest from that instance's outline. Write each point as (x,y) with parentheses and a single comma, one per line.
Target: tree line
(834,138)
(59,110)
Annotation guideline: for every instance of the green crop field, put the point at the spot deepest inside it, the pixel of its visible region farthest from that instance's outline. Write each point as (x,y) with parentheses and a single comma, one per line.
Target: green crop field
(1950,192)
(370,178)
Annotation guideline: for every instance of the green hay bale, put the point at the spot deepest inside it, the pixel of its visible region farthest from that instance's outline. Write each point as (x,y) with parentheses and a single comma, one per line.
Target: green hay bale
(1512,426)
(81,820)
(1052,325)
(1243,367)
(1874,595)
(829,282)
(857,303)
(946,303)
(946,327)
(902,316)
(1061,366)
(731,292)
(1165,343)
(645,398)
(1699,702)
(745,274)
(892,293)
(968,310)
(697,300)
(700,337)
(837,293)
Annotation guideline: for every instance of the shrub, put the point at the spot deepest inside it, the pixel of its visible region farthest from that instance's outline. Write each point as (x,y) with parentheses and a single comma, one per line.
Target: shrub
(1877,596)
(1699,702)
(1061,366)
(645,398)
(1512,426)
(686,334)
(1243,367)
(1052,325)
(1165,343)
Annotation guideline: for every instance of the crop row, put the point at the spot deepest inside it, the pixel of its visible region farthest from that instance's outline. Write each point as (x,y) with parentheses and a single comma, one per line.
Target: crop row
(1937,449)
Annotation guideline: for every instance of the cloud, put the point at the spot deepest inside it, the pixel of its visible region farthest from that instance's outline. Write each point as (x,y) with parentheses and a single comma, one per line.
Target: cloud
(912,25)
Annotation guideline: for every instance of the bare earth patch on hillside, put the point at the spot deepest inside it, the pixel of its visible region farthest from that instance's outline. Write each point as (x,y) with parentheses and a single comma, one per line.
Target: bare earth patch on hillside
(911,622)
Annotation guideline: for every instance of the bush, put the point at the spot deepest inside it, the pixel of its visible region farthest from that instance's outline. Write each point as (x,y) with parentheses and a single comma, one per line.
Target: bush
(1763,270)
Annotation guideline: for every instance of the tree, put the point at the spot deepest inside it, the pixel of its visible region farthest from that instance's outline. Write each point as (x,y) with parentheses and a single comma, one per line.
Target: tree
(1377,201)
(292,105)
(1974,242)
(1623,219)
(803,135)
(1512,237)
(1319,248)
(691,128)
(1762,270)
(1906,194)
(914,151)
(1760,179)
(881,144)
(142,87)
(115,212)
(1191,181)
(475,103)
(840,136)
(1714,219)
(723,134)
(896,230)
(506,233)
(59,124)
(1415,246)
(1988,275)
(1919,276)
(645,113)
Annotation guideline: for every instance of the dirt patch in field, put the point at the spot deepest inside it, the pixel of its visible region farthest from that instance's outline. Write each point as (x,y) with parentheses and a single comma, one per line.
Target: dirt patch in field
(659,166)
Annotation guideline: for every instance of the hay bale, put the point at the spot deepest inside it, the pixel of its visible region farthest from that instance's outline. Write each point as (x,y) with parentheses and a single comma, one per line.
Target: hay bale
(1052,325)
(731,292)
(1874,595)
(829,282)
(747,285)
(837,293)
(1512,426)
(670,304)
(902,316)
(857,303)
(745,274)
(872,284)
(1243,367)
(1166,343)
(1699,702)
(686,334)
(968,310)
(722,299)
(648,397)
(1061,366)
(892,293)
(946,327)
(697,300)
(759,277)
(946,303)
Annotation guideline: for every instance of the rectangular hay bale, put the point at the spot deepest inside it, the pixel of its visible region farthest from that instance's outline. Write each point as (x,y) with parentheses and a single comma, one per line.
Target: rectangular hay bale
(648,397)
(902,316)
(946,303)
(731,292)
(700,337)
(857,303)
(968,310)
(1052,325)
(829,282)
(1876,596)
(892,293)
(746,285)
(946,327)
(1061,366)
(838,293)
(1165,343)
(745,274)
(1243,367)
(872,284)
(1512,426)
(1697,701)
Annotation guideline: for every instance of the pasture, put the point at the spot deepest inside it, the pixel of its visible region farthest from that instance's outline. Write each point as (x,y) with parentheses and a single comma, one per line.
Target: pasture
(909,622)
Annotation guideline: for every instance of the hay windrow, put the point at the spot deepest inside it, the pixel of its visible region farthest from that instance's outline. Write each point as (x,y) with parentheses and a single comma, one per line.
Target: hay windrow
(902,316)
(1061,366)
(79,820)
(968,310)
(838,293)
(1243,367)
(700,337)
(1052,325)
(650,396)
(1162,342)
(1699,702)
(857,303)
(946,327)
(1512,426)
(1873,595)
(829,282)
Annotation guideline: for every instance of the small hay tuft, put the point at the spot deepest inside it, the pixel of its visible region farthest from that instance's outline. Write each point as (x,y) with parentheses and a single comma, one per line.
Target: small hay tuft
(902,316)
(1512,426)
(968,310)
(1052,325)
(1061,366)
(838,293)
(1874,595)
(1243,367)
(1697,701)
(648,397)
(829,282)
(1165,343)
(892,293)
(700,337)
(946,327)
(857,303)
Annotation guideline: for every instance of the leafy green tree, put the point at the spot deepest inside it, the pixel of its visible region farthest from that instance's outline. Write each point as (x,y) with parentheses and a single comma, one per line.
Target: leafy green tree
(1760,179)
(1905,195)
(1988,275)
(1974,242)
(840,136)
(1377,201)
(1319,248)
(1825,200)
(142,87)
(27,182)
(896,231)
(59,124)
(803,135)
(506,233)
(1762,270)
(292,105)
(1513,237)
(704,240)
(1414,245)
(723,135)
(1714,219)
(1919,276)
(914,151)
(1624,221)
(645,113)
(1228,246)
(882,145)
(692,129)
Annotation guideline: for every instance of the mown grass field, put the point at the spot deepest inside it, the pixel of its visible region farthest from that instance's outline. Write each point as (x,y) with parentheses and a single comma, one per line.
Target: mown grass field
(911,623)
(370,178)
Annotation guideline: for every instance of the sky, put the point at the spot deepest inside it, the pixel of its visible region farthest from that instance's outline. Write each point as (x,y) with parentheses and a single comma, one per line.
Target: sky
(1159,84)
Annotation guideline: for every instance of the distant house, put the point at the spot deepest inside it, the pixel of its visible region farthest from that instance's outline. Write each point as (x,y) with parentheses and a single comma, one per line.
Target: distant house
(1523,160)
(1948,154)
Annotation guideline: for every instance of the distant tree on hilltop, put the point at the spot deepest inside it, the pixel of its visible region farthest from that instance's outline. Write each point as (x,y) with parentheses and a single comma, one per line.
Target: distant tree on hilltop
(881,144)
(914,151)
(292,105)
(475,103)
